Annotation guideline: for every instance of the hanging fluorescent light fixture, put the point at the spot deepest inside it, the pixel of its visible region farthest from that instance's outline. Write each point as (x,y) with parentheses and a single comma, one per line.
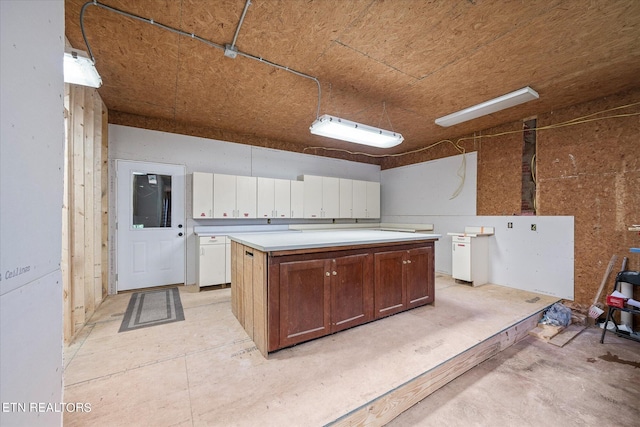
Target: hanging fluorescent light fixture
(346,130)
(500,103)
(79,69)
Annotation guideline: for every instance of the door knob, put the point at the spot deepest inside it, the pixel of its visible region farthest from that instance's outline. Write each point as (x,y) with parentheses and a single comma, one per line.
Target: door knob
(179,234)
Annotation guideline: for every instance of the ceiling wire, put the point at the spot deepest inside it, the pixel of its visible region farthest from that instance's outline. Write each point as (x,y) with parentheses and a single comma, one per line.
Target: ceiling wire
(456,145)
(192,36)
(461,172)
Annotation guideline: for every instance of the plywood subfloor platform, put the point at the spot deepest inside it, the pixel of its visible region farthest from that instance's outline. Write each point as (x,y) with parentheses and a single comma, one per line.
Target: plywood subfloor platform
(206,371)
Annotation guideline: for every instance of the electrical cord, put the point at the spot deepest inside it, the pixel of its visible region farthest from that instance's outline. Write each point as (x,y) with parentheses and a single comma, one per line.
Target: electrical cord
(572,122)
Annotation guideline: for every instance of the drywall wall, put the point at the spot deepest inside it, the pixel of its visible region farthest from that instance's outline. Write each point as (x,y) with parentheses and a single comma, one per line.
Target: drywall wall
(207,155)
(31,163)
(428,188)
(539,261)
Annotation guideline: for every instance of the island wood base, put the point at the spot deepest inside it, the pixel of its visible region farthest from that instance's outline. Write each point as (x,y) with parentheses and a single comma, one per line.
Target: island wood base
(284,298)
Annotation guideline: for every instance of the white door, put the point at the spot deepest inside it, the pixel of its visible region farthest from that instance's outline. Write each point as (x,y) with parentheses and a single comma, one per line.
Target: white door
(150,224)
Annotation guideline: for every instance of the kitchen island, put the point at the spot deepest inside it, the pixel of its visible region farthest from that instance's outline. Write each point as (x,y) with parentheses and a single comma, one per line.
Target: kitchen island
(291,287)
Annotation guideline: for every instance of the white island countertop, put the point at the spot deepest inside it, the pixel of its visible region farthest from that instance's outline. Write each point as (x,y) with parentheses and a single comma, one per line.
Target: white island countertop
(292,240)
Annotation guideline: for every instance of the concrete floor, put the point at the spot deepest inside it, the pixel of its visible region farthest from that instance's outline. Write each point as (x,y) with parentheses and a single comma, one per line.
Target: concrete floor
(206,371)
(533,383)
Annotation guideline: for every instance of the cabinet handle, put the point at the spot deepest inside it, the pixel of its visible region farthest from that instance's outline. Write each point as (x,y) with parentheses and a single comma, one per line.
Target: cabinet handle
(335,273)
(249,254)
(328,274)
(409,261)
(404,262)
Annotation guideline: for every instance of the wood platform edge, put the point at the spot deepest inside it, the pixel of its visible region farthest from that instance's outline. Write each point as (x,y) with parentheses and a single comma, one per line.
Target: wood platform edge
(386,407)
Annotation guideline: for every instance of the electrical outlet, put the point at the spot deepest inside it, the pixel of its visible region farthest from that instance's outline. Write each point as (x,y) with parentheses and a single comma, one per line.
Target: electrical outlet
(509,225)
(533,227)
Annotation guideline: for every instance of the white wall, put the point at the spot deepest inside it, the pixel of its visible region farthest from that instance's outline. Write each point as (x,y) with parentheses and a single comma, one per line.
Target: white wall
(31,159)
(427,188)
(540,261)
(207,155)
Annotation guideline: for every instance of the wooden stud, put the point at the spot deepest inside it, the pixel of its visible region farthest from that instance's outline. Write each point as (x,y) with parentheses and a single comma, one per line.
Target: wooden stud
(87,185)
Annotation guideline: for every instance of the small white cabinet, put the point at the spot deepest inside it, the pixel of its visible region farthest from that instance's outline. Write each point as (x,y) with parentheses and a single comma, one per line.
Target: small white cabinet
(470,255)
(213,261)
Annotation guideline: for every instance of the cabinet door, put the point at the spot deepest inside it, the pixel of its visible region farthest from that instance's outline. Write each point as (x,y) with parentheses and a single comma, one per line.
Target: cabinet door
(346,198)
(212,263)
(246,193)
(305,301)
(224,195)
(282,198)
(351,291)
(202,195)
(359,199)
(461,261)
(312,196)
(389,290)
(419,276)
(330,197)
(297,199)
(373,199)
(266,197)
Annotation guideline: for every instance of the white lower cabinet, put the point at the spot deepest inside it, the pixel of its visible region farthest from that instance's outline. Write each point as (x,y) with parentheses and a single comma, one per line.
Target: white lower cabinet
(213,261)
(470,259)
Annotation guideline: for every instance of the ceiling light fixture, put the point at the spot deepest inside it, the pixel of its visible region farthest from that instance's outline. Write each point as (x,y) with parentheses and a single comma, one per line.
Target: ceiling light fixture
(79,69)
(512,99)
(346,130)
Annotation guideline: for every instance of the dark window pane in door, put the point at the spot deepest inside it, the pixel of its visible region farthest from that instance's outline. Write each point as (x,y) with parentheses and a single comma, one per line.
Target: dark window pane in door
(151,200)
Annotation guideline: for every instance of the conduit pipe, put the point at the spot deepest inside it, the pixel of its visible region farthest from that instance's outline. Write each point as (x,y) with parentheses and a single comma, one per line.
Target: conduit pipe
(195,37)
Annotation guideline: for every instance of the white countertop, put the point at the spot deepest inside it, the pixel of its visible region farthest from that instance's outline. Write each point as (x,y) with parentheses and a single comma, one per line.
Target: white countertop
(268,242)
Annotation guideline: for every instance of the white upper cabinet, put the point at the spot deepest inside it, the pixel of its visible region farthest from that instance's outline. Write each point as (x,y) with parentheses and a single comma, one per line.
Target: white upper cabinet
(297,199)
(321,197)
(234,196)
(312,196)
(266,197)
(231,196)
(359,199)
(366,199)
(346,198)
(282,198)
(202,195)
(274,198)
(373,199)
(246,187)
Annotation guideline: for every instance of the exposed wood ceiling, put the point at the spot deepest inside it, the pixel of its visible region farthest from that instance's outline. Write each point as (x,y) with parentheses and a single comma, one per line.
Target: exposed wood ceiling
(396,64)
